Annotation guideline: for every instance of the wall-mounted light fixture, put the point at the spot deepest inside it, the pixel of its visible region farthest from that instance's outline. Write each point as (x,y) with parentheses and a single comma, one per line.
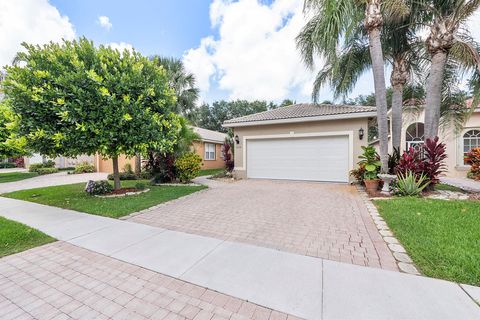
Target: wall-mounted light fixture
(237,139)
(361,132)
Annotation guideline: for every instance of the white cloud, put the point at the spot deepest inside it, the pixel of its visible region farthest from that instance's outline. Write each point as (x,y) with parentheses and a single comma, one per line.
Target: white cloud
(104,22)
(255,56)
(120,46)
(31,21)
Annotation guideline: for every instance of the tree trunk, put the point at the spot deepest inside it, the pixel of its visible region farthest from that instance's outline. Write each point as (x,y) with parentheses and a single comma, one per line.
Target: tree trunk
(138,164)
(397,103)
(376,55)
(116,174)
(434,94)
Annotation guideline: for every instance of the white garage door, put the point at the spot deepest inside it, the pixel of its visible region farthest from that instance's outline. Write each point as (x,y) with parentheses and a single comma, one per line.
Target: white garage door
(313,158)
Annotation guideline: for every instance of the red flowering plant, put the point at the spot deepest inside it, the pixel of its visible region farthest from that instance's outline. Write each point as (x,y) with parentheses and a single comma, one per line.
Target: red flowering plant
(410,161)
(473,159)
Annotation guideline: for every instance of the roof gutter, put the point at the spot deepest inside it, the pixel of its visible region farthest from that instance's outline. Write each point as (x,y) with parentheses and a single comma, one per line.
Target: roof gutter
(304,119)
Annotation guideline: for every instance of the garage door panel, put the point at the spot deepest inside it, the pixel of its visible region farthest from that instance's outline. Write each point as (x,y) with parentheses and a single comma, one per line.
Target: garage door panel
(316,158)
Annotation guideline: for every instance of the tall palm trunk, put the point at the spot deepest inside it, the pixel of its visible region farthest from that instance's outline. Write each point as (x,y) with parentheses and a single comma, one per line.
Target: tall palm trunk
(398,79)
(434,94)
(438,43)
(373,23)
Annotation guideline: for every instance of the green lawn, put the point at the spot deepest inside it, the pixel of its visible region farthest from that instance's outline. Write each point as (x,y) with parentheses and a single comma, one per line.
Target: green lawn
(210,172)
(73,197)
(442,237)
(16,237)
(16,176)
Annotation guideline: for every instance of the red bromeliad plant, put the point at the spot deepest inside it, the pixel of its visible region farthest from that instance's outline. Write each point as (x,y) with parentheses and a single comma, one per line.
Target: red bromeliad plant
(434,162)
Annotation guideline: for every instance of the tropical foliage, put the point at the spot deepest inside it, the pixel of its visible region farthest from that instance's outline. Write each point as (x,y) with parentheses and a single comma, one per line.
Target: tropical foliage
(353,37)
(473,158)
(370,163)
(409,184)
(182,82)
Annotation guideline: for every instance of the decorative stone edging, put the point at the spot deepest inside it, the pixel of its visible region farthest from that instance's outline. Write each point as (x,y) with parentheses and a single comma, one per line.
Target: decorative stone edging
(192,184)
(123,194)
(403,260)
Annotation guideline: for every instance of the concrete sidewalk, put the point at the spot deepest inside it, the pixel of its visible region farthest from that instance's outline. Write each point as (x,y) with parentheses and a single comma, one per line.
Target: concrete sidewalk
(463,183)
(306,287)
(48,180)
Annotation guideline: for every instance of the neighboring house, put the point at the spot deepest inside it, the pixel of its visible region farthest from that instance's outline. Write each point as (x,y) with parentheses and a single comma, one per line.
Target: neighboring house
(60,162)
(209,148)
(317,142)
(457,143)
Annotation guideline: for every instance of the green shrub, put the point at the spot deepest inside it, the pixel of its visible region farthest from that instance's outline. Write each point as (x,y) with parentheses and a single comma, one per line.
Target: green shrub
(124,176)
(84,167)
(49,164)
(5,165)
(188,166)
(127,168)
(46,165)
(145,175)
(98,187)
(410,184)
(140,186)
(46,170)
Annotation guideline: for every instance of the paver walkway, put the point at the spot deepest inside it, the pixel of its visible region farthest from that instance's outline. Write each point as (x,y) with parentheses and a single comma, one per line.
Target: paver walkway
(463,183)
(306,287)
(54,179)
(63,281)
(322,220)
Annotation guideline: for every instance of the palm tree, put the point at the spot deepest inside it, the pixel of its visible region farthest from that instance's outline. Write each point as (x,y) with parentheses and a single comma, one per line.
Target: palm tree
(399,46)
(447,42)
(182,82)
(334,20)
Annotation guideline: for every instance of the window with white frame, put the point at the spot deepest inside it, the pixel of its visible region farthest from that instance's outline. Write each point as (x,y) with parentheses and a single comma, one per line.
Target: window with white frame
(471,139)
(209,151)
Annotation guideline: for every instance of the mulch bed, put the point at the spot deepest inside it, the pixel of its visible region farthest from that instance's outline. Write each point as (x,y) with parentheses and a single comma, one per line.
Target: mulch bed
(122,191)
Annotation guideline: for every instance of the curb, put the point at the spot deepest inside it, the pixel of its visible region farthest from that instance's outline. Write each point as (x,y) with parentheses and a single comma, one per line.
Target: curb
(403,260)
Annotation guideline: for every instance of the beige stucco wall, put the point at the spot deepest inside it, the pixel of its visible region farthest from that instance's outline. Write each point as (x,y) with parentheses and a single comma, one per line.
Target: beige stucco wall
(106,165)
(453,141)
(199,148)
(291,129)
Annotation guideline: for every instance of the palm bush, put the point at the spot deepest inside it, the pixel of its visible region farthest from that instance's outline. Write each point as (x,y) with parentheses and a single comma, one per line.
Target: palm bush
(409,184)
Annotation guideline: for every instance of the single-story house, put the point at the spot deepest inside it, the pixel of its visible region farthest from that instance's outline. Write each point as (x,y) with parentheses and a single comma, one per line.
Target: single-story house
(60,162)
(209,148)
(457,142)
(318,142)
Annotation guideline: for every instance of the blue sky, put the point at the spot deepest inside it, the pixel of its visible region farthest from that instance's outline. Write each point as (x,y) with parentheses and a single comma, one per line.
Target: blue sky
(163,27)
(237,49)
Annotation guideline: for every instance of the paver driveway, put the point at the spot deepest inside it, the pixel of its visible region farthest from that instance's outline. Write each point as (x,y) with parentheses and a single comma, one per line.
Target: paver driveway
(316,219)
(62,281)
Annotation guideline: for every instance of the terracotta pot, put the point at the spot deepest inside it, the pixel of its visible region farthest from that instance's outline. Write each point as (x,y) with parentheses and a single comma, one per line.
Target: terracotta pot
(371,186)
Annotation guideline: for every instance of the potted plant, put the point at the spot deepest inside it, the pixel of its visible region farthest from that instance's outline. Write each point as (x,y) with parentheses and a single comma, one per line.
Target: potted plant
(371,163)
